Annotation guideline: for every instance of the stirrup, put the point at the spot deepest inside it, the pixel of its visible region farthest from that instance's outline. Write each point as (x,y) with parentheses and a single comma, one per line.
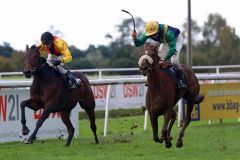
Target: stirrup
(77,81)
(71,85)
(181,85)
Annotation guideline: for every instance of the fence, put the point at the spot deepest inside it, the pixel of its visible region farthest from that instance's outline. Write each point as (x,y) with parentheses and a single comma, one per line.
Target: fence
(110,82)
(100,71)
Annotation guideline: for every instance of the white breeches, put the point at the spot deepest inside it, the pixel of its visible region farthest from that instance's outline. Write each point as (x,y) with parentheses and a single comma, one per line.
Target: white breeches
(163,49)
(60,67)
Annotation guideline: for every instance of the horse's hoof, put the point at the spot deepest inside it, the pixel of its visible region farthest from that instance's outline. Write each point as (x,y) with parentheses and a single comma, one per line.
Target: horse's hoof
(170,138)
(67,145)
(25,131)
(29,141)
(179,144)
(157,140)
(161,140)
(97,142)
(168,144)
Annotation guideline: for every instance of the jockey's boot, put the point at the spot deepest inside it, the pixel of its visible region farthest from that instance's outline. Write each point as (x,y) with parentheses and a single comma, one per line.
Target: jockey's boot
(74,81)
(181,79)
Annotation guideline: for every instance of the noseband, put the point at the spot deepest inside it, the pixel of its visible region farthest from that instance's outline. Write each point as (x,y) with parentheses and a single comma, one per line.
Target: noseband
(150,60)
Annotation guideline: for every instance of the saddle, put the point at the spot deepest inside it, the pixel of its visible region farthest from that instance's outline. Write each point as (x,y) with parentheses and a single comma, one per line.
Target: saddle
(172,70)
(70,80)
(70,83)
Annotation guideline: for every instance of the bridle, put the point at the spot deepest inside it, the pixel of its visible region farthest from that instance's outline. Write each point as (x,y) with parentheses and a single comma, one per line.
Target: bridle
(38,67)
(153,62)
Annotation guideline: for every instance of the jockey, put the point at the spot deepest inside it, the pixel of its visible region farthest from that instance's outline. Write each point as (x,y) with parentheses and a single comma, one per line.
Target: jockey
(53,45)
(171,43)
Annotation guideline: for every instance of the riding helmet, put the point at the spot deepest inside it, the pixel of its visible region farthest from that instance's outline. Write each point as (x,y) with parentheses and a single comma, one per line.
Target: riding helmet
(47,38)
(151,28)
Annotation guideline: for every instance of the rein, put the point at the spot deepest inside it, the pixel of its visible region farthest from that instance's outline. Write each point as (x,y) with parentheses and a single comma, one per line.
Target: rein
(39,66)
(152,65)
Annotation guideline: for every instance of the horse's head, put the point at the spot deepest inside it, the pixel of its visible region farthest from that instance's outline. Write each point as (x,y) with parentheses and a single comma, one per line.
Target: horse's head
(32,61)
(149,60)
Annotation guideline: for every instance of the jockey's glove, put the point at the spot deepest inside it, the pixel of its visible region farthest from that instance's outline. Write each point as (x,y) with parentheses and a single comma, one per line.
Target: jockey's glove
(56,62)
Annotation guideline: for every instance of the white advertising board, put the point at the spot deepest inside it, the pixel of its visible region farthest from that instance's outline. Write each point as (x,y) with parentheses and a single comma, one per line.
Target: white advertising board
(121,96)
(10,118)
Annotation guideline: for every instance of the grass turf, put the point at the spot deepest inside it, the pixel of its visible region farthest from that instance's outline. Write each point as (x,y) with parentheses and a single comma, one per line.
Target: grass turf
(126,140)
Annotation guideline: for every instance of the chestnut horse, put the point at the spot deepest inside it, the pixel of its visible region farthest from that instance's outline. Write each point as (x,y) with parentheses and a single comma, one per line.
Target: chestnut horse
(50,92)
(163,94)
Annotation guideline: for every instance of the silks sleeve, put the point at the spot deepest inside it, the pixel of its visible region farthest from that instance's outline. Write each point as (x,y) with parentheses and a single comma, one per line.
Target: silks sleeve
(63,48)
(141,40)
(42,49)
(171,40)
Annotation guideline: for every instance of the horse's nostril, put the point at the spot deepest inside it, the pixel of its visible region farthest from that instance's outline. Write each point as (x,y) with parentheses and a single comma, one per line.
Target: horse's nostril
(27,72)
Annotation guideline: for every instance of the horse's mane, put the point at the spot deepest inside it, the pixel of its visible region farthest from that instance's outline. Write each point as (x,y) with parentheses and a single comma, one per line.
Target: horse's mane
(33,46)
(34,49)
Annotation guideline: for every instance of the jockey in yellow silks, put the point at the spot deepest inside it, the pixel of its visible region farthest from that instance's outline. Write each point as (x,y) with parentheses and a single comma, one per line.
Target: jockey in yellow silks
(53,45)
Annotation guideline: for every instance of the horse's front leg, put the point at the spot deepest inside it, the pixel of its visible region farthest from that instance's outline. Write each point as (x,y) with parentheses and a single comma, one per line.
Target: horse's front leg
(32,105)
(167,139)
(23,104)
(154,123)
(43,117)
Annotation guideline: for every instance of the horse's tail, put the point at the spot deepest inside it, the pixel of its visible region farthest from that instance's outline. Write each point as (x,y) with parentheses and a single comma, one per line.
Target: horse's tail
(199,99)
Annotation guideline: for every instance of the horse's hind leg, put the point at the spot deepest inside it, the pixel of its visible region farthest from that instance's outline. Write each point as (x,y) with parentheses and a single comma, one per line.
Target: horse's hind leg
(91,115)
(190,105)
(66,120)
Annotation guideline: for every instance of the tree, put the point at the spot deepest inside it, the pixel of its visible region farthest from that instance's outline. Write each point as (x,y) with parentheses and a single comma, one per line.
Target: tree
(6,65)
(220,41)
(6,50)
(17,60)
(215,43)
(82,63)
(196,32)
(125,28)
(122,49)
(76,53)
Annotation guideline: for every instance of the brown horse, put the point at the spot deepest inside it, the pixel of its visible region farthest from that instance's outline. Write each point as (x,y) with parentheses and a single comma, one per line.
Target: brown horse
(49,91)
(163,94)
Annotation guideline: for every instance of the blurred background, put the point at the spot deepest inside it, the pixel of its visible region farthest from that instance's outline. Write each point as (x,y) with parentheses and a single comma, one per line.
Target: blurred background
(98,33)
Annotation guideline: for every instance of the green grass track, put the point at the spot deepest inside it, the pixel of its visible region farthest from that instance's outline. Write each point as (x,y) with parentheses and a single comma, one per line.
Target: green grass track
(126,140)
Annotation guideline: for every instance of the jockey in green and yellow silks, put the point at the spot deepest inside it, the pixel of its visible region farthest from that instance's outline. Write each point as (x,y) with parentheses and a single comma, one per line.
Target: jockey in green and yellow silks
(53,45)
(170,40)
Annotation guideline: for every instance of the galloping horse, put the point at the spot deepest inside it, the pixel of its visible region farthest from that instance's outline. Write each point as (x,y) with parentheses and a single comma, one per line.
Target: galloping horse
(48,91)
(162,95)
